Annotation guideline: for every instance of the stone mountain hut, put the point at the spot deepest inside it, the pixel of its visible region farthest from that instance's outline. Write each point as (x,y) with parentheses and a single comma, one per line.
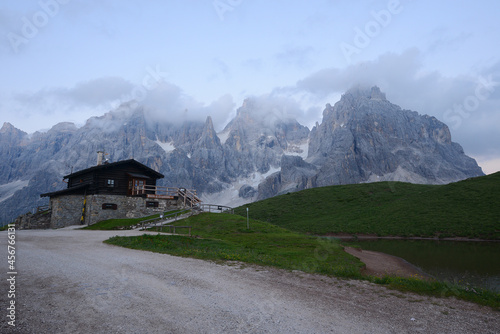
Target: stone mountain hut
(123,189)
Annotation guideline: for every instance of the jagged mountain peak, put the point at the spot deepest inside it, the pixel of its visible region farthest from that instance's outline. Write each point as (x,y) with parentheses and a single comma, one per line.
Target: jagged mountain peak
(208,138)
(6,127)
(209,124)
(63,127)
(262,151)
(364,137)
(9,128)
(364,92)
(12,136)
(265,112)
(259,119)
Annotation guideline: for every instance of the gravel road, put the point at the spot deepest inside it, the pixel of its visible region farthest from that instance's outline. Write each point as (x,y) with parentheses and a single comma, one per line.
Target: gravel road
(69,281)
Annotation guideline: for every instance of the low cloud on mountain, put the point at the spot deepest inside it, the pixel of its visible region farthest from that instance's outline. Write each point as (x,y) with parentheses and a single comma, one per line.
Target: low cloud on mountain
(469,104)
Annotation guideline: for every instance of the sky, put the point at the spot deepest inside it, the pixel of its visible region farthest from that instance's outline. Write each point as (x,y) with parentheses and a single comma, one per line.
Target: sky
(68,60)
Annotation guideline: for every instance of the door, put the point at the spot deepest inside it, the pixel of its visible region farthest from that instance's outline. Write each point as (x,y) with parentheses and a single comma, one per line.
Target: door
(136,186)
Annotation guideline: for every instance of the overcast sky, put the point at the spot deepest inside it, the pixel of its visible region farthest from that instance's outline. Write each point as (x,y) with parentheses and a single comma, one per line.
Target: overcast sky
(68,60)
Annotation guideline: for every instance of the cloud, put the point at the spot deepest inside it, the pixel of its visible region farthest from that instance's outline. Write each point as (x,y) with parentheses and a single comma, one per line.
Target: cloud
(38,110)
(389,68)
(168,97)
(221,111)
(163,101)
(168,103)
(91,93)
(401,76)
(469,103)
(278,106)
(99,91)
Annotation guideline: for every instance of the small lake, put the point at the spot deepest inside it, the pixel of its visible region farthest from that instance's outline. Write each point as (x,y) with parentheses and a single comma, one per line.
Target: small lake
(461,262)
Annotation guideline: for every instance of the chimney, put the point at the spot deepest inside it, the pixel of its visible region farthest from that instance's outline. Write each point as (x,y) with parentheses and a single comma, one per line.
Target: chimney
(100,156)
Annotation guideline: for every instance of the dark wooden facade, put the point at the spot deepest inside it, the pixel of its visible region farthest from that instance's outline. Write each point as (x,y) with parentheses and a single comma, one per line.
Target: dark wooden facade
(116,178)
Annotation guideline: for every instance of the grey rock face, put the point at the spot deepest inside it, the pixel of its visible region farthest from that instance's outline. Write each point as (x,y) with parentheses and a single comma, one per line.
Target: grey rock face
(295,175)
(189,154)
(247,191)
(362,138)
(256,142)
(366,138)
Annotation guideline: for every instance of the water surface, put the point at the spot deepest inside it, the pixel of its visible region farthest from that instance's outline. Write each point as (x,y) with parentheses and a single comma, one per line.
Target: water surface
(465,263)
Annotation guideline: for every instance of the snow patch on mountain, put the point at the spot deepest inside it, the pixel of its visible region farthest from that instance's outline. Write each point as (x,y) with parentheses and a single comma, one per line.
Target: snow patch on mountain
(7,190)
(223,136)
(301,149)
(230,197)
(167,147)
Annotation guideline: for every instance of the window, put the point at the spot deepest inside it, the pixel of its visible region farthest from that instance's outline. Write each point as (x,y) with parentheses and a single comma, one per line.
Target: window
(111,183)
(109,206)
(151,204)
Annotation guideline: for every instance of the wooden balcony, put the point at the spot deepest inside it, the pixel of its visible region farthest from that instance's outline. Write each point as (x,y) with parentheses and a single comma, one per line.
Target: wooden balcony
(187,196)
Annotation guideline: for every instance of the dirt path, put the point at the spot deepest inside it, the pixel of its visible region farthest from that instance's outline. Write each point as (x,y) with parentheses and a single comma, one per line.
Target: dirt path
(68,281)
(380,264)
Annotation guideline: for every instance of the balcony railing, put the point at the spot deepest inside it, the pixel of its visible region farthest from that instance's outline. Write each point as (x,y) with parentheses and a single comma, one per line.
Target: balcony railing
(187,196)
(155,191)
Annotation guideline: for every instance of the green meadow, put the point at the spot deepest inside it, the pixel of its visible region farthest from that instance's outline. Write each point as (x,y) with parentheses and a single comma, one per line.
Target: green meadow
(225,237)
(468,209)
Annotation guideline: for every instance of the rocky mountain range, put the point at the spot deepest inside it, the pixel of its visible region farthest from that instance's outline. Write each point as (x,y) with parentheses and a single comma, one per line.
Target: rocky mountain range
(362,138)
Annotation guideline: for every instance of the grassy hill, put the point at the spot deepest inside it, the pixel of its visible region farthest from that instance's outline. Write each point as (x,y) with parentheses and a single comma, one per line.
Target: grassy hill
(468,208)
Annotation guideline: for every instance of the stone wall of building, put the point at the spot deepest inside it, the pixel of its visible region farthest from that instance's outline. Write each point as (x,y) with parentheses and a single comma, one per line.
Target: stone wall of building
(66,210)
(102,207)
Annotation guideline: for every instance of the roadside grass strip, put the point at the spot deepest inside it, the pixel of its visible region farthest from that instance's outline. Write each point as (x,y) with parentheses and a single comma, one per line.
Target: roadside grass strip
(440,289)
(225,237)
(122,224)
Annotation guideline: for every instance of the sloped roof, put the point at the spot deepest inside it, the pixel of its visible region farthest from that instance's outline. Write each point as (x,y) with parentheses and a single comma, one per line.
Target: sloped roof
(68,191)
(146,169)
